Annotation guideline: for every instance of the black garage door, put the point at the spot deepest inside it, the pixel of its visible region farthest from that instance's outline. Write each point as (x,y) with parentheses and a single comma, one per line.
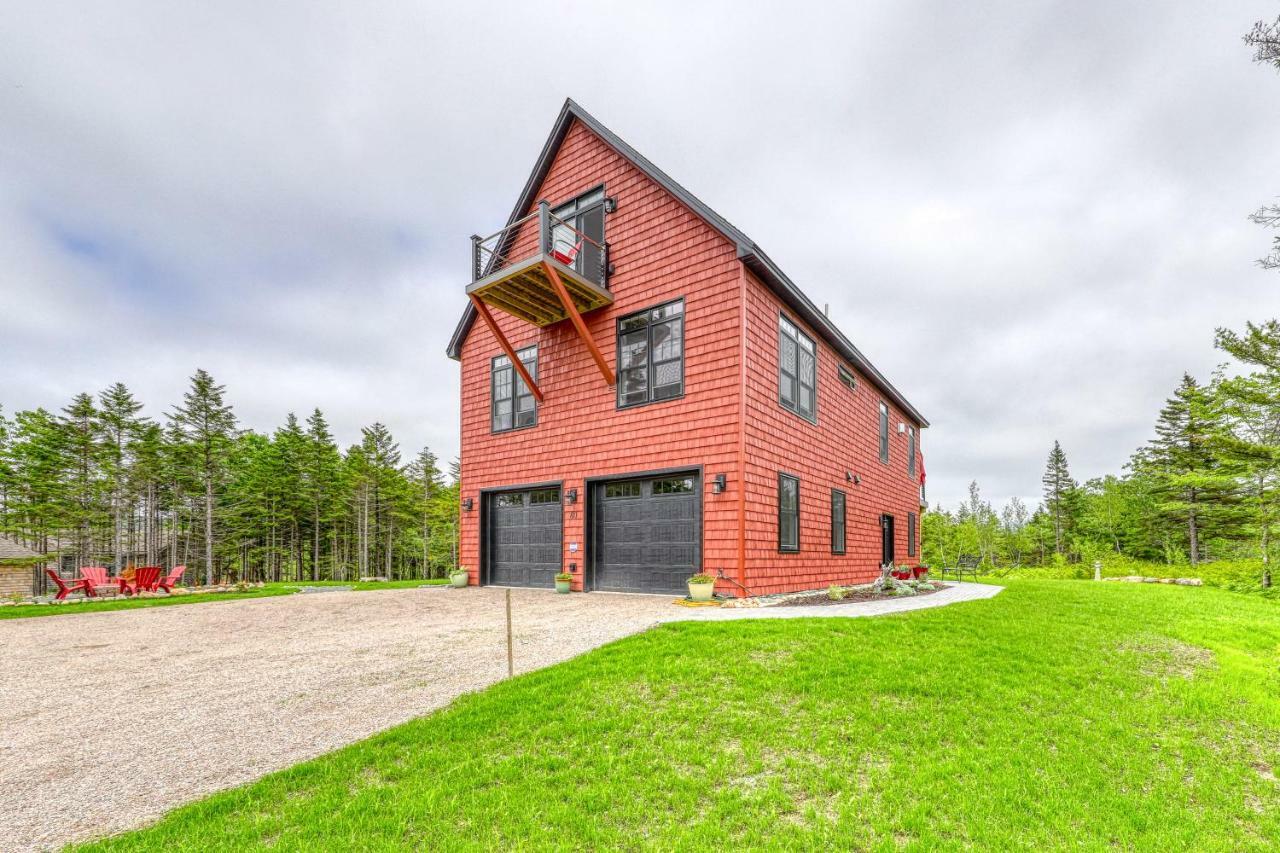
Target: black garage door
(647,533)
(524,537)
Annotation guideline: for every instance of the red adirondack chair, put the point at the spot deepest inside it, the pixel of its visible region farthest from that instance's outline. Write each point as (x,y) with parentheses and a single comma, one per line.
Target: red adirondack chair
(166,583)
(98,578)
(145,579)
(77,585)
(565,255)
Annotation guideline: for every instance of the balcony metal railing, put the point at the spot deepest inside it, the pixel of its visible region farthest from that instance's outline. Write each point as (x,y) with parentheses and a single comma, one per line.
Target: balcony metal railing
(539,234)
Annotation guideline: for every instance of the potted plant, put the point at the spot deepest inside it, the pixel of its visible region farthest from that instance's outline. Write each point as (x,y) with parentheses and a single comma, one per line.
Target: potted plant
(919,571)
(701,587)
(458,577)
(562,582)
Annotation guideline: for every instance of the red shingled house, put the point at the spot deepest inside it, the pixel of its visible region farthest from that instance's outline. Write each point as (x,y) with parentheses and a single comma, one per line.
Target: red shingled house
(646,395)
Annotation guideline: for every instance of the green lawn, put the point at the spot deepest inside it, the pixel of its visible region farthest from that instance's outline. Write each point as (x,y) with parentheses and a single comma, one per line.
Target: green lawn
(23,611)
(1059,714)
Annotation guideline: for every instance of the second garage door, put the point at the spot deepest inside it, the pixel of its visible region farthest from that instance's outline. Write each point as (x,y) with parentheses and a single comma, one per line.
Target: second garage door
(524,537)
(647,533)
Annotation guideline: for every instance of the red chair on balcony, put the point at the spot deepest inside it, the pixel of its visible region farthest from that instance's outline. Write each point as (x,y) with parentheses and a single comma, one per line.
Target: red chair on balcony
(65,589)
(565,255)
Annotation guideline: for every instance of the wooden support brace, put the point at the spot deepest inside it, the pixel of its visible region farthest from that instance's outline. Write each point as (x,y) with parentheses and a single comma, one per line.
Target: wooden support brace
(483,311)
(572,310)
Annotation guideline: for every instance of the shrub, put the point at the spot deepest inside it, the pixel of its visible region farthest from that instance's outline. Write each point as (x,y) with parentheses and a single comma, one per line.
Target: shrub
(702,579)
(835,593)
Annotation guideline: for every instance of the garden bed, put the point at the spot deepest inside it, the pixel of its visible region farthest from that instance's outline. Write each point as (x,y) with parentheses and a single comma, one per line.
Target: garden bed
(852,595)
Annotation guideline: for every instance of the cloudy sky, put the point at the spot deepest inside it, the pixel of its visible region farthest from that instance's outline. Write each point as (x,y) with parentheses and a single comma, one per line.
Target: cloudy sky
(1030,215)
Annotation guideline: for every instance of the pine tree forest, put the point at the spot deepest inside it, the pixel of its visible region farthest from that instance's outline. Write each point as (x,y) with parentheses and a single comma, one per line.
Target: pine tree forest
(99,483)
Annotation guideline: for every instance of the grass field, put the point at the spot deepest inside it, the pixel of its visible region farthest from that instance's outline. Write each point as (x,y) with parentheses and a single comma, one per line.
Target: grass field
(23,611)
(1056,715)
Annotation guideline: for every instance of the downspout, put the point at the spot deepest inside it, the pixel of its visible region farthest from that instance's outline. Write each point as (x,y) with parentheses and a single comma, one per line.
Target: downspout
(742,427)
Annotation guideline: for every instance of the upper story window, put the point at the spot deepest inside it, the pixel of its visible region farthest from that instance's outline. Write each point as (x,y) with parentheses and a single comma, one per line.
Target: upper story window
(513,405)
(651,355)
(911,450)
(846,377)
(582,216)
(797,370)
(884,433)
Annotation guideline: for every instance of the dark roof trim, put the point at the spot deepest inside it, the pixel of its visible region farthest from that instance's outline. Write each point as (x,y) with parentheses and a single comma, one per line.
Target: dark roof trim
(748,252)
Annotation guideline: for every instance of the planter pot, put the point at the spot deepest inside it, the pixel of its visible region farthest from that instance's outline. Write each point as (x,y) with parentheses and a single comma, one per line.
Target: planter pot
(902,576)
(920,571)
(562,587)
(701,591)
(458,581)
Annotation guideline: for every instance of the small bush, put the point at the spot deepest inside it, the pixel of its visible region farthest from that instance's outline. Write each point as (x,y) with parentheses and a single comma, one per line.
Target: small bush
(835,593)
(564,576)
(702,579)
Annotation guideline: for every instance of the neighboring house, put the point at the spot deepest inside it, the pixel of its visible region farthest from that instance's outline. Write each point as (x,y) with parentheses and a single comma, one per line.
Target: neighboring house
(646,396)
(18,568)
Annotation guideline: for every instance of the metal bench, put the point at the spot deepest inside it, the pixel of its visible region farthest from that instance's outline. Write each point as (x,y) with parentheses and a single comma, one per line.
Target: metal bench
(965,564)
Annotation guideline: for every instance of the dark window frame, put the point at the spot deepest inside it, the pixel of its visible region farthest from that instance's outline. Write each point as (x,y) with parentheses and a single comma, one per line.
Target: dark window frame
(515,395)
(782,546)
(580,261)
(839,543)
(911,451)
(650,364)
(797,381)
(884,432)
(847,377)
(913,529)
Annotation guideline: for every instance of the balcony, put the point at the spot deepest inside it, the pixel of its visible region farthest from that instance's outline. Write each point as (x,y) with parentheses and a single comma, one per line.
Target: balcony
(543,270)
(523,269)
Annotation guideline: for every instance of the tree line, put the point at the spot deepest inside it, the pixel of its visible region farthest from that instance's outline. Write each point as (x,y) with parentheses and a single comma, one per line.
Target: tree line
(99,483)
(1205,487)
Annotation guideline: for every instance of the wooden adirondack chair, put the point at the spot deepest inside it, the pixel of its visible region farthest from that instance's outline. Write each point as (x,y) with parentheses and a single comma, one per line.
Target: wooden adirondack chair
(166,583)
(77,585)
(145,579)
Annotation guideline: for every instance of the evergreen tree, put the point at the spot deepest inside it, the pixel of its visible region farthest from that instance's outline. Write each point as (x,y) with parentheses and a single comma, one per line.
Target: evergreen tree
(1188,479)
(38,504)
(120,428)
(1250,440)
(321,479)
(424,471)
(82,427)
(209,426)
(1059,496)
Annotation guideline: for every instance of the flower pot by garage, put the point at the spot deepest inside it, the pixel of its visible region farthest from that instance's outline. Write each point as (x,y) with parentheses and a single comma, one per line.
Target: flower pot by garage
(701,591)
(562,587)
(920,571)
(458,580)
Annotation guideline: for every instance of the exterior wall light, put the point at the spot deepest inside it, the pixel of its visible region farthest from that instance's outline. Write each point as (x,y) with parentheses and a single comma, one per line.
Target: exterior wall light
(718,484)
(467,504)
(857,479)
(610,204)
(848,475)
(571,496)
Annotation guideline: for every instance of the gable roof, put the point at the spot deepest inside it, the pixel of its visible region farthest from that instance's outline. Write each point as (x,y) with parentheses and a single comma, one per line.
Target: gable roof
(11,550)
(748,251)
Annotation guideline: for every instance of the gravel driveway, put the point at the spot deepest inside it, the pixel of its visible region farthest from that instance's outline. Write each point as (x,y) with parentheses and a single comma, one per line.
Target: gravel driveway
(108,720)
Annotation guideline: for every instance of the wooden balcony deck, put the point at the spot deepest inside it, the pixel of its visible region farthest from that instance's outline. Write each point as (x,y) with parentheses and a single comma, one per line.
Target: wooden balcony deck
(523,289)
